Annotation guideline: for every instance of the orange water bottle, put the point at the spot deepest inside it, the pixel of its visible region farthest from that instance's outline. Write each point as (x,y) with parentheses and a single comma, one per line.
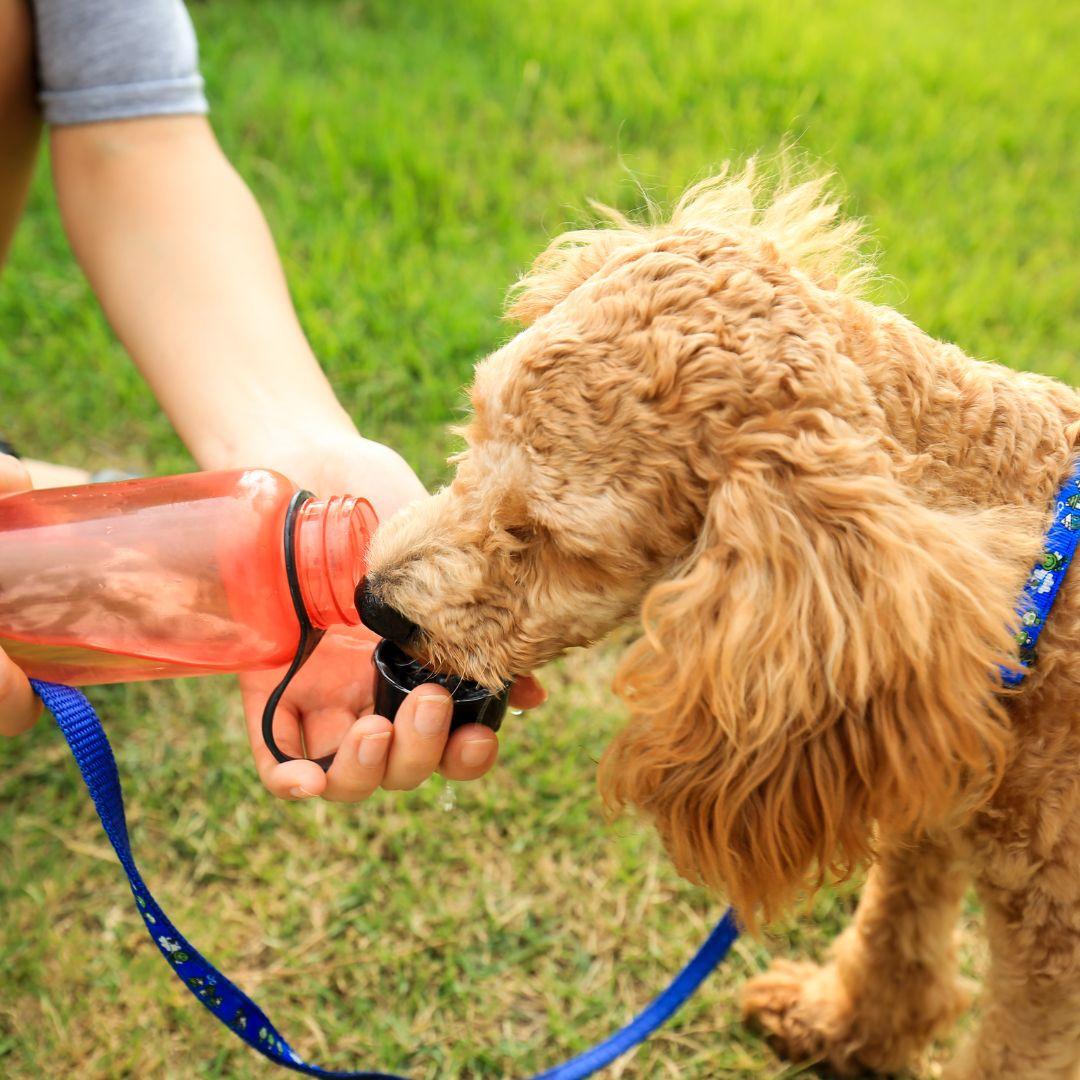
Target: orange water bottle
(179,575)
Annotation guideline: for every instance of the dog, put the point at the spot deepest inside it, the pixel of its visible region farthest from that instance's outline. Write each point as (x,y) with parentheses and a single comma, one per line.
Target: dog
(823,519)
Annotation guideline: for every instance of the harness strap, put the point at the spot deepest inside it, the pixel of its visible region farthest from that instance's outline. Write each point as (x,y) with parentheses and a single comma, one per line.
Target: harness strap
(94,756)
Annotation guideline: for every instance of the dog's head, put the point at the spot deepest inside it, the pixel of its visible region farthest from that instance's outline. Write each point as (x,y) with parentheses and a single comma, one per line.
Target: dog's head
(681,434)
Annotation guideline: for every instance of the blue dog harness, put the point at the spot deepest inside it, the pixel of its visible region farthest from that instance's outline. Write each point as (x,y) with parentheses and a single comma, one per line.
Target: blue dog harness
(227,1002)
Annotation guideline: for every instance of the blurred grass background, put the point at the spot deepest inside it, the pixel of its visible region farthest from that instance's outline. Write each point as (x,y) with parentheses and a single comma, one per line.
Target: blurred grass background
(411,158)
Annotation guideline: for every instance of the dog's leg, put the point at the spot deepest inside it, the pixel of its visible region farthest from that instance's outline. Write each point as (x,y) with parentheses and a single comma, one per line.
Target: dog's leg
(1030,1004)
(891,982)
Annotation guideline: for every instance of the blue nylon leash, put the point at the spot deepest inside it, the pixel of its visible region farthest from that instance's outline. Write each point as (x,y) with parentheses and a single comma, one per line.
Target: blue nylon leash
(90,747)
(1042,586)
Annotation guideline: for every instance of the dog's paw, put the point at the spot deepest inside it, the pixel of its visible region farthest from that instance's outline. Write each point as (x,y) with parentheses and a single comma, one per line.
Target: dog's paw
(805,1013)
(808,1015)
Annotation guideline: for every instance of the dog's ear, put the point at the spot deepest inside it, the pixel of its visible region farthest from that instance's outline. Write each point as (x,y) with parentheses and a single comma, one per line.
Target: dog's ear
(825,660)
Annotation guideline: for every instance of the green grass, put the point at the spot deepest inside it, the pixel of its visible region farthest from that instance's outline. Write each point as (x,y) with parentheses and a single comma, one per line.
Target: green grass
(411,158)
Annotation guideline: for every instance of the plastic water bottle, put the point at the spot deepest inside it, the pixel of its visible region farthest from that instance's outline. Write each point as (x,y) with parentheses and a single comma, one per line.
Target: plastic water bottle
(180,575)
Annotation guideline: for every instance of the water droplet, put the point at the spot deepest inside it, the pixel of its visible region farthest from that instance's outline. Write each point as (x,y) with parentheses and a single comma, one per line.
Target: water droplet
(449,797)
(516,712)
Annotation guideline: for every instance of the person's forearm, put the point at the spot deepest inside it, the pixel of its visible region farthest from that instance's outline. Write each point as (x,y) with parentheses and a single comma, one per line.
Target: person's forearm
(183,263)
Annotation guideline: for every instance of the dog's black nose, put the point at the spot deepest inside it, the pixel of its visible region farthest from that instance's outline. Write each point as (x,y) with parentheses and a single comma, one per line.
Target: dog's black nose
(380,617)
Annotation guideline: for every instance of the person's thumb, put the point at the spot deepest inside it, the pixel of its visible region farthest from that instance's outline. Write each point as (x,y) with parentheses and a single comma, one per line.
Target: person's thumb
(13,475)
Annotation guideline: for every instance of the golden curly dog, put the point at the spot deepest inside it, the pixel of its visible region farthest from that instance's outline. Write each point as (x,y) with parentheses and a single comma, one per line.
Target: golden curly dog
(823,519)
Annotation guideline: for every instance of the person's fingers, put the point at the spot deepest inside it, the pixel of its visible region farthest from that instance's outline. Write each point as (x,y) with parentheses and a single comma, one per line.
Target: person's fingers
(19,705)
(45,474)
(420,729)
(325,728)
(470,752)
(360,762)
(285,779)
(527,693)
(295,780)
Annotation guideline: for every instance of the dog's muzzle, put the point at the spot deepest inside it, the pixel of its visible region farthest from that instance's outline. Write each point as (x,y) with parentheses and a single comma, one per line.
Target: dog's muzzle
(384,620)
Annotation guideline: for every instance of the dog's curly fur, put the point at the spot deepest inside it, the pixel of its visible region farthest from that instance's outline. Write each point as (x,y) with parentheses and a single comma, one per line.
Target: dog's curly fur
(823,518)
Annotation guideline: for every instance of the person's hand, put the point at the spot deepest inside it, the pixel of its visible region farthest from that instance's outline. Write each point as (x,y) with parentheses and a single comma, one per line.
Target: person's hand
(19,705)
(318,714)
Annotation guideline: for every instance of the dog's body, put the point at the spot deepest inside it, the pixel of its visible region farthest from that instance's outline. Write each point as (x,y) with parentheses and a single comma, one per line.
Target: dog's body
(824,518)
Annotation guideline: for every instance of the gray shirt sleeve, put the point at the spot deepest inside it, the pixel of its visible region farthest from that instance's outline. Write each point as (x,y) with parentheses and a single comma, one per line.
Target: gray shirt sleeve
(116,59)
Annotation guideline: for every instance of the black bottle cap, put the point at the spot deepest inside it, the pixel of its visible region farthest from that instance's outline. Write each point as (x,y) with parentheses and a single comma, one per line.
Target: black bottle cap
(396,673)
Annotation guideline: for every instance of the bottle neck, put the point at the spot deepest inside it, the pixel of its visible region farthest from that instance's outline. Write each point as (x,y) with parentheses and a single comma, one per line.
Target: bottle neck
(330,545)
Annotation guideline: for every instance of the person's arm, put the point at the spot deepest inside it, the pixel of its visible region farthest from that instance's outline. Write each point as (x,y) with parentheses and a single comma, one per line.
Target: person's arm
(184,265)
(182,260)
(169,235)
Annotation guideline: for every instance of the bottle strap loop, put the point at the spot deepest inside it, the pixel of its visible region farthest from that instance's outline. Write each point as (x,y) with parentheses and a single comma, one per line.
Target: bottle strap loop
(308,640)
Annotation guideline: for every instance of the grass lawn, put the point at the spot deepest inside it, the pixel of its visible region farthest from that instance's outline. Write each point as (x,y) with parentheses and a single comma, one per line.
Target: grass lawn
(411,158)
